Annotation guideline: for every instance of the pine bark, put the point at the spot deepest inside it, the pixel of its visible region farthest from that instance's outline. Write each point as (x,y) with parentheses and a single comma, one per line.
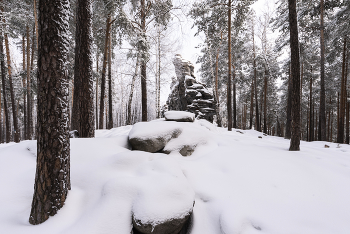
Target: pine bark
(295,75)
(103,78)
(251,105)
(265,100)
(229,101)
(322,111)
(52,179)
(3,81)
(96,117)
(216,93)
(257,121)
(83,102)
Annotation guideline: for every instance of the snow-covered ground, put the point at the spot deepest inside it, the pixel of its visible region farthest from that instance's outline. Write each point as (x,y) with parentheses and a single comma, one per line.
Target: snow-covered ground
(241,184)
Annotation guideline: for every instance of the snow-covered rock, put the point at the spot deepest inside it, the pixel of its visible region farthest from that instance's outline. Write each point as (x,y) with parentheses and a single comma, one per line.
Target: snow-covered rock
(179,116)
(152,136)
(169,136)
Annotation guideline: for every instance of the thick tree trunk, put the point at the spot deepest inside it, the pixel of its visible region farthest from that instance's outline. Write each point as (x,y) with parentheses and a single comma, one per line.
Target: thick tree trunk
(17,134)
(53,157)
(103,78)
(3,81)
(322,112)
(29,92)
(83,102)
(229,98)
(110,100)
(295,75)
(341,115)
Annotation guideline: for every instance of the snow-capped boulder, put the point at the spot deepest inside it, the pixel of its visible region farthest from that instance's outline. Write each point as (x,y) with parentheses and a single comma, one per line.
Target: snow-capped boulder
(179,116)
(165,203)
(152,136)
(170,136)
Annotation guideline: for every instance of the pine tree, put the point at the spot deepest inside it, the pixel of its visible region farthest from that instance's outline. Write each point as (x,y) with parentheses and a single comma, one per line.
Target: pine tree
(83,106)
(52,179)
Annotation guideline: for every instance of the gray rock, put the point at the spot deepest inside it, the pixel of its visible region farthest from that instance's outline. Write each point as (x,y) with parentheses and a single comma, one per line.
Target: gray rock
(186,92)
(173,226)
(153,144)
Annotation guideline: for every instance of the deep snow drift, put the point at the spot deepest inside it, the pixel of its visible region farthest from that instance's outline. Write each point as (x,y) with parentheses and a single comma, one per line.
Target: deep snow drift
(240,184)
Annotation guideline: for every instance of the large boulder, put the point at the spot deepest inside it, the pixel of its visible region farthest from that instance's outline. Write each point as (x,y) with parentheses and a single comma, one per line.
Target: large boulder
(152,136)
(188,94)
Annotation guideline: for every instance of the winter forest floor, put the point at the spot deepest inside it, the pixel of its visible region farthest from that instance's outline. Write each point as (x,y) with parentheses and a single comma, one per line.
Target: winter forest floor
(241,184)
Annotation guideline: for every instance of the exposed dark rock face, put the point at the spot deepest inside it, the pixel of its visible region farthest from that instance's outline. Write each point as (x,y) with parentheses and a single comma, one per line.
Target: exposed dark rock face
(173,226)
(188,94)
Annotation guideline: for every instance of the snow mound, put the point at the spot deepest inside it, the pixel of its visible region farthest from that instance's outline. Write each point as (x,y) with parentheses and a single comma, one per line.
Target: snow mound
(169,137)
(179,116)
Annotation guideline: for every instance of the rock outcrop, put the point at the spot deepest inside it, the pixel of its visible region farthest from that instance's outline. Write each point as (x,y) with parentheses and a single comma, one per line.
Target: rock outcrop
(188,94)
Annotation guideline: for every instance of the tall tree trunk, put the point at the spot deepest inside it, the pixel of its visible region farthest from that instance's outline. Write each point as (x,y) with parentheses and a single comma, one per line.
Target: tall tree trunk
(322,112)
(36,23)
(110,104)
(295,74)
(17,134)
(289,107)
(257,121)
(3,81)
(311,117)
(234,108)
(29,92)
(229,98)
(251,105)
(128,121)
(96,117)
(216,93)
(143,65)
(83,102)
(52,179)
(341,115)
(158,79)
(103,78)
(301,97)
(265,100)
(24,83)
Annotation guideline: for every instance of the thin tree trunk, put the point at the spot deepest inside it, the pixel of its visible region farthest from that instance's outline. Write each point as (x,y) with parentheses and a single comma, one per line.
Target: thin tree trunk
(110,104)
(103,79)
(289,107)
(257,121)
(216,93)
(6,110)
(341,115)
(24,83)
(295,74)
(229,98)
(158,83)
(29,92)
(17,135)
(301,97)
(311,130)
(52,179)
(251,105)
(96,117)
(322,112)
(265,100)
(143,65)
(234,97)
(128,122)
(36,24)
